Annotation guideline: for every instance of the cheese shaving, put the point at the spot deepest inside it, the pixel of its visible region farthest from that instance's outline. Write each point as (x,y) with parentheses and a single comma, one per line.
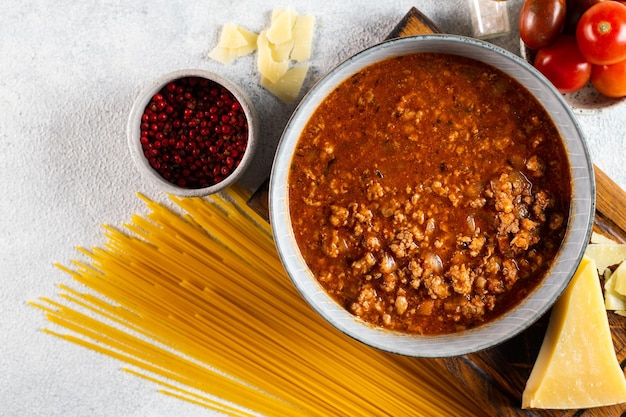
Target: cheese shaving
(606,254)
(288,86)
(612,299)
(267,66)
(303,38)
(234,42)
(281,26)
(287,39)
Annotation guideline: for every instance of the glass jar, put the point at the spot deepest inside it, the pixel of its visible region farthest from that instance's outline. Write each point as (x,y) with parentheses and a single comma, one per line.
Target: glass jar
(490,18)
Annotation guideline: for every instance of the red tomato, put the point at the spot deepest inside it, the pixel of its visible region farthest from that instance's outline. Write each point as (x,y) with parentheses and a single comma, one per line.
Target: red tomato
(541,22)
(610,80)
(563,64)
(575,9)
(601,33)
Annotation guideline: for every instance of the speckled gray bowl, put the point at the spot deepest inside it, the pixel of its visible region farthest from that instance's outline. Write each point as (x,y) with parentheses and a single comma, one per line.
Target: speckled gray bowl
(133,132)
(531,308)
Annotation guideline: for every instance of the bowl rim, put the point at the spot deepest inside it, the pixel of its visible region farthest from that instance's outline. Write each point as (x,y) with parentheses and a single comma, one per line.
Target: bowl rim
(529,310)
(133,131)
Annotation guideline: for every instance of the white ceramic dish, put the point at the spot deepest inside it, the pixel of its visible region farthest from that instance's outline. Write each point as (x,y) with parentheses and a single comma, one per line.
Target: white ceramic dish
(528,311)
(587,101)
(133,132)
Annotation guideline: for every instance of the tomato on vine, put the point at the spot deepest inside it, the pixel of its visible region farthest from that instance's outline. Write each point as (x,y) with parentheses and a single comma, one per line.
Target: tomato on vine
(601,33)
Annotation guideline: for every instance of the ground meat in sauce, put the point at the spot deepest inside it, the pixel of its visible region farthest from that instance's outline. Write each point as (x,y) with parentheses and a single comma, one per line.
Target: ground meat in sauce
(429,193)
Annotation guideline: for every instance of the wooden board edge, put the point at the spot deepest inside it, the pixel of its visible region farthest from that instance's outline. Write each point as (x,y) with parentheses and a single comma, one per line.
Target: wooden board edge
(610,207)
(413,23)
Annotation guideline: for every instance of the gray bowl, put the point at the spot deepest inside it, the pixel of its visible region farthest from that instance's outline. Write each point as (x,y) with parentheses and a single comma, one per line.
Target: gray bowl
(531,308)
(133,132)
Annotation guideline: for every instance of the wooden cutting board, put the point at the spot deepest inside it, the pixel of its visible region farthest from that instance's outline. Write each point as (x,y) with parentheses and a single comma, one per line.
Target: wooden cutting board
(496,377)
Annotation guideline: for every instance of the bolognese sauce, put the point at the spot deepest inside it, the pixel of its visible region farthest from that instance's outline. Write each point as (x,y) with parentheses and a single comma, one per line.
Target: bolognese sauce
(429,193)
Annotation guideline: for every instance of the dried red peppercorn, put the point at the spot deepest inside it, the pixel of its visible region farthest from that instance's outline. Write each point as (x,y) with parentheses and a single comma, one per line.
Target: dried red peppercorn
(194,132)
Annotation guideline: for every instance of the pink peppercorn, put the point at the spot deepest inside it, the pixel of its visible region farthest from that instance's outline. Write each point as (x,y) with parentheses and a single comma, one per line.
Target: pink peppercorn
(194,132)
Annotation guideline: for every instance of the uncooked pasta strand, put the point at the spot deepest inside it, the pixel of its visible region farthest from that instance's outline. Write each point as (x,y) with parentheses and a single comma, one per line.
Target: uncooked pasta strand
(179,369)
(187,395)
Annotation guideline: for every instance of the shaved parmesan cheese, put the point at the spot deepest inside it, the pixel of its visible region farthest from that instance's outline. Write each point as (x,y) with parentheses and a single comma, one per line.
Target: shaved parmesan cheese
(231,37)
(287,39)
(599,238)
(281,51)
(606,254)
(612,299)
(281,26)
(250,38)
(620,281)
(234,42)
(303,38)
(223,55)
(288,86)
(267,66)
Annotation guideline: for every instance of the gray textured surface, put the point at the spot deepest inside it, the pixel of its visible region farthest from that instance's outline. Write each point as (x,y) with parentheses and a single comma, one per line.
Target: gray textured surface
(68,77)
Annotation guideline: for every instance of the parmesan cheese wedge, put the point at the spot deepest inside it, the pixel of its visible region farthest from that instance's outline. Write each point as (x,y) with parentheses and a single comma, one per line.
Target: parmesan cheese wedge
(577,366)
(234,42)
(303,38)
(288,86)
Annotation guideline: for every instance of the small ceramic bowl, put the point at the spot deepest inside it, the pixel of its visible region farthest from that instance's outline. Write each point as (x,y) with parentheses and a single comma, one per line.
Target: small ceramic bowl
(530,309)
(187,163)
(586,101)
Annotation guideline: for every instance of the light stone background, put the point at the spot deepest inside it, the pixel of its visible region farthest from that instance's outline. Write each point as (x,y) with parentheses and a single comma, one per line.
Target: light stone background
(69,71)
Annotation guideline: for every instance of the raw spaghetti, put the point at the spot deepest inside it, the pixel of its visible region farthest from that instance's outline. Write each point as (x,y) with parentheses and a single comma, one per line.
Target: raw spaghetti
(199,303)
